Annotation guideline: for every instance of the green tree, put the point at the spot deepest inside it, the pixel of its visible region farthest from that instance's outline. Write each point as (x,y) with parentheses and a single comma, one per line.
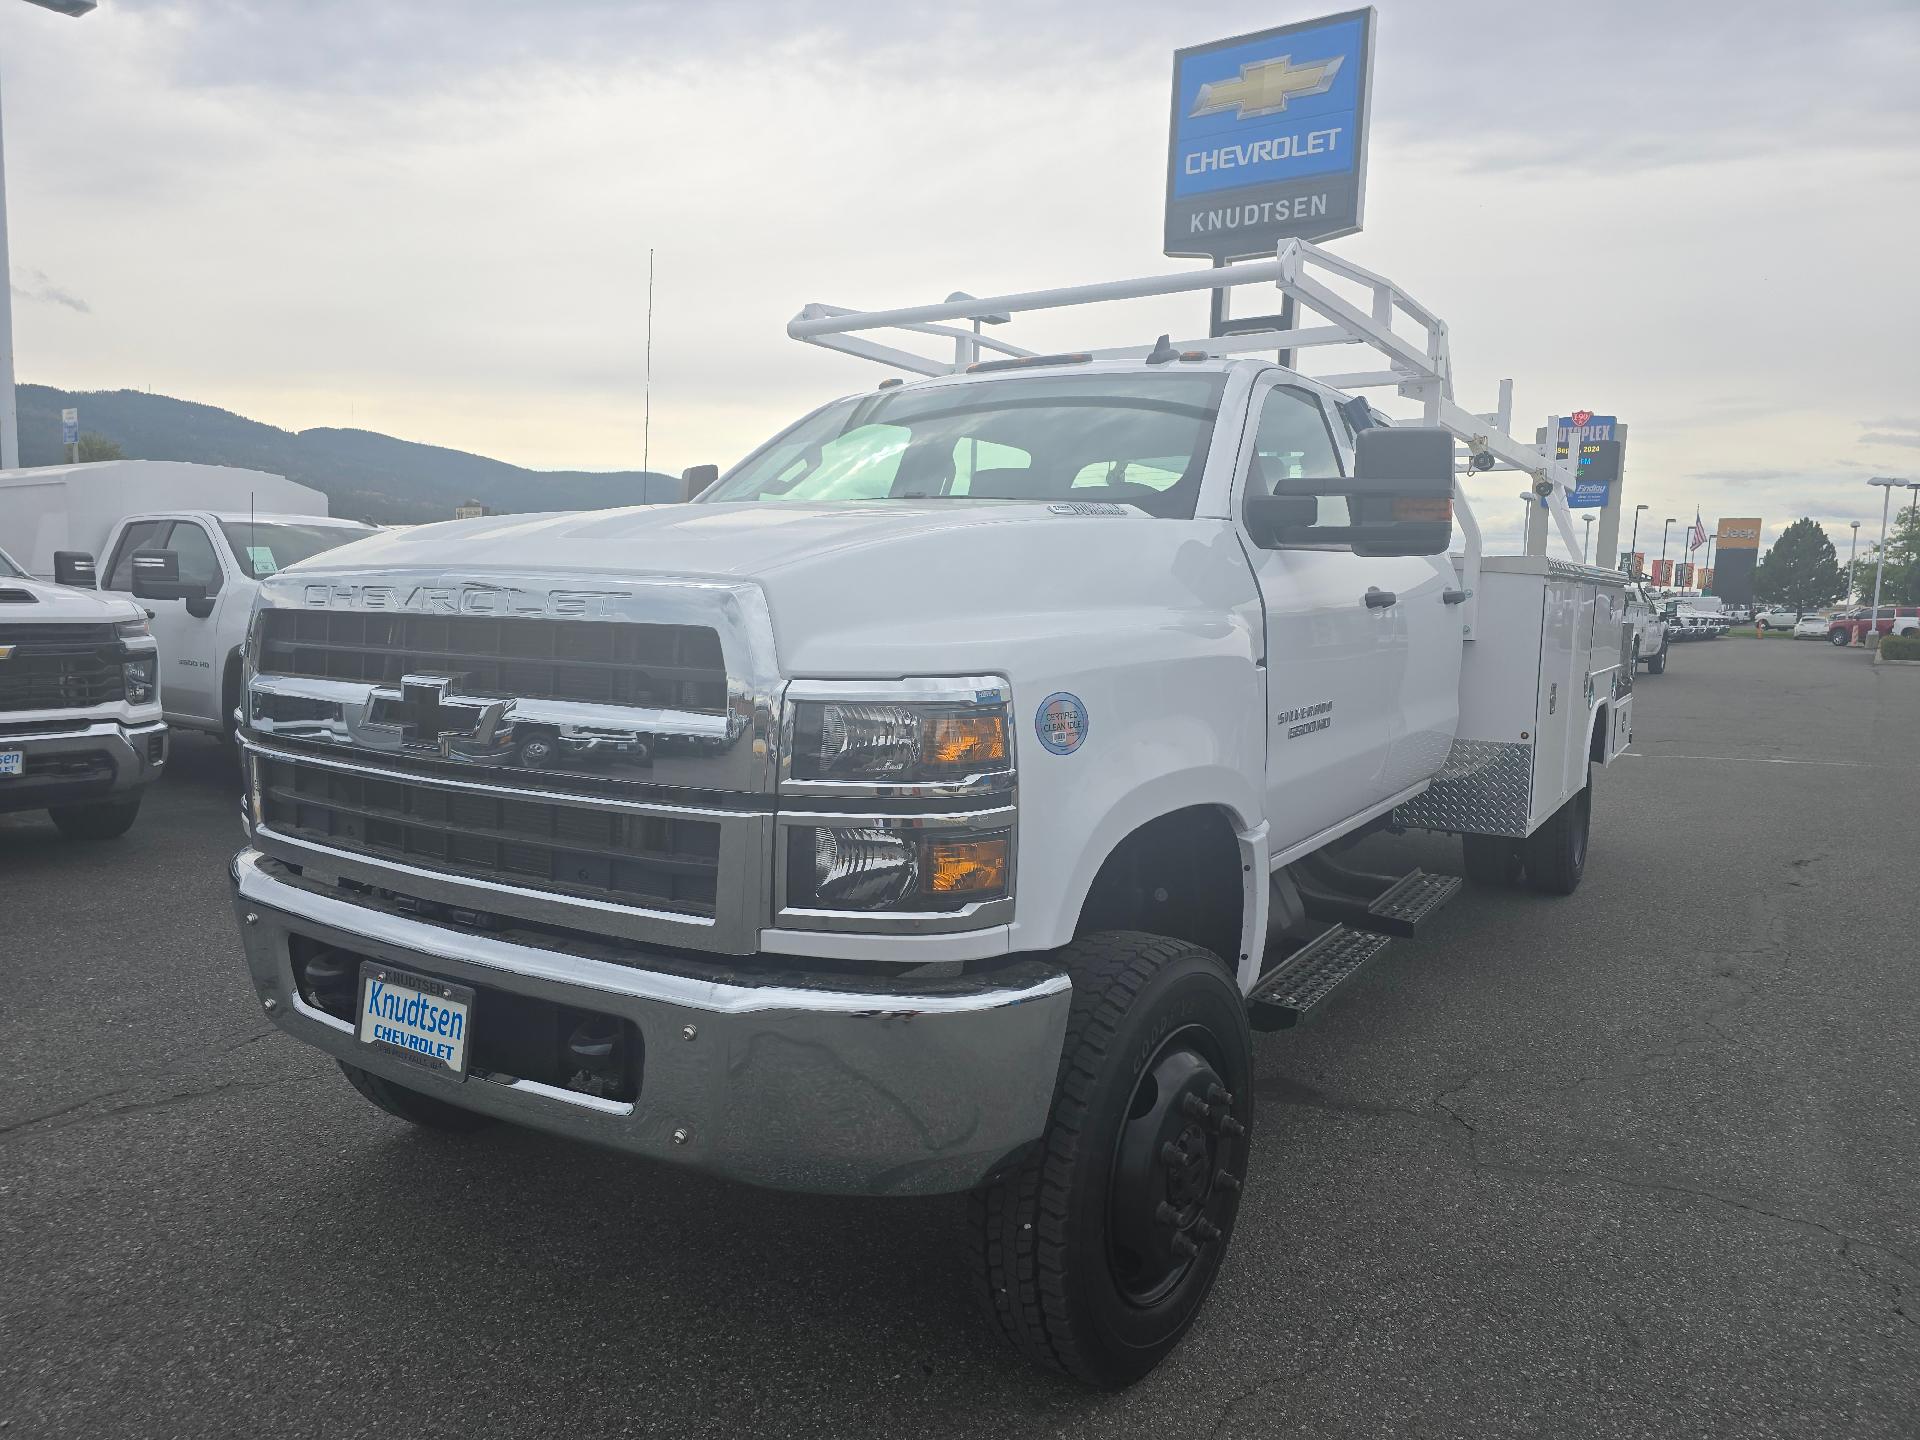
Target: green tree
(99,447)
(1900,584)
(1800,572)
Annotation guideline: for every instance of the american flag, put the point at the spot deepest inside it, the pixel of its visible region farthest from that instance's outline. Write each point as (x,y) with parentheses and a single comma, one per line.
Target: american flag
(1697,536)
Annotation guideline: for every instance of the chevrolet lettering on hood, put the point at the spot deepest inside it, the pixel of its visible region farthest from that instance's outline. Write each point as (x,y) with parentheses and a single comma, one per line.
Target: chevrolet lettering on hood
(472,598)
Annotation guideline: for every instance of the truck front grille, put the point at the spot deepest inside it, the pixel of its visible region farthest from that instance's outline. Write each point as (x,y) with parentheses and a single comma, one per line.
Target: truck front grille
(653,862)
(592,661)
(56,667)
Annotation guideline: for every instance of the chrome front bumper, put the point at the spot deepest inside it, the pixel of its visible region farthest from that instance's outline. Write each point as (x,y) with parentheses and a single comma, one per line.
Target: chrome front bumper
(130,751)
(858,1086)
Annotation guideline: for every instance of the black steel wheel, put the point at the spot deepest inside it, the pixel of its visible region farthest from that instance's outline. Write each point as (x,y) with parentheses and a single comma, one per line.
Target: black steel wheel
(411,1105)
(1095,1255)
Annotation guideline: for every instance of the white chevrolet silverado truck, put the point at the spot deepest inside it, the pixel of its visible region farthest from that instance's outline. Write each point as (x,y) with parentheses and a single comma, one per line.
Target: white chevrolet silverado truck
(81,735)
(938,802)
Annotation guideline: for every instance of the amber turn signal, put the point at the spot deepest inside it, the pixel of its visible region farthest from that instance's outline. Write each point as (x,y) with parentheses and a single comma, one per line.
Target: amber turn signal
(961,740)
(967,867)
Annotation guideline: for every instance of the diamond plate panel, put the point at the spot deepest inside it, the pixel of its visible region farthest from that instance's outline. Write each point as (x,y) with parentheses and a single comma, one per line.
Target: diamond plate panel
(1485,788)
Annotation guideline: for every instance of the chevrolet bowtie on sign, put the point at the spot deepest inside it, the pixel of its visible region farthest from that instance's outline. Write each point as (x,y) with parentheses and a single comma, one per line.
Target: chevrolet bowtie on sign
(1269,138)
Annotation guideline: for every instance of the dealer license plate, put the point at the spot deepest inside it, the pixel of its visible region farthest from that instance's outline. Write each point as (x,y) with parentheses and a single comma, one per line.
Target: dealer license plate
(13,762)
(415,1017)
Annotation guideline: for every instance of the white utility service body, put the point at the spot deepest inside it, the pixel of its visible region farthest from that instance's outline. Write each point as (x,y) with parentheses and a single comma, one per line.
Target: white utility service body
(81,734)
(1020,737)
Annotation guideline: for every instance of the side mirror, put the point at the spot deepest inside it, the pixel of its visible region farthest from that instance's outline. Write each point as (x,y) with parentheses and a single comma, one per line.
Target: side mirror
(156,576)
(699,477)
(74,568)
(1399,498)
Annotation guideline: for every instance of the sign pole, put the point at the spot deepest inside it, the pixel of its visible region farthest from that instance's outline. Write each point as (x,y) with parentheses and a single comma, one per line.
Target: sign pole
(9,416)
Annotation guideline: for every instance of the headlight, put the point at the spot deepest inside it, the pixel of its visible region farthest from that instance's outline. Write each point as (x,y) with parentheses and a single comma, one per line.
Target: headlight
(861,867)
(907,742)
(135,629)
(138,674)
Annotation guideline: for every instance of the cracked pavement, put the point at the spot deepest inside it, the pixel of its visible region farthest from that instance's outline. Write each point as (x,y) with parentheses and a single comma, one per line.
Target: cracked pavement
(1639,1162)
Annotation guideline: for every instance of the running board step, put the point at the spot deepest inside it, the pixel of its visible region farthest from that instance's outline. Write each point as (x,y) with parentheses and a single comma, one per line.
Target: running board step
(1385,904)
(1410,904)
(1286,994)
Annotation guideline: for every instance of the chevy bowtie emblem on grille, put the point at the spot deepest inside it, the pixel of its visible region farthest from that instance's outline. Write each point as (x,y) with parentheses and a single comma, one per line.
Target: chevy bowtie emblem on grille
(427,719)
(1265,86)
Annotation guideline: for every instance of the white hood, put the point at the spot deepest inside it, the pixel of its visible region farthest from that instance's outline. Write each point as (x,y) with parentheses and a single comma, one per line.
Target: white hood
(50,602)
(884,589)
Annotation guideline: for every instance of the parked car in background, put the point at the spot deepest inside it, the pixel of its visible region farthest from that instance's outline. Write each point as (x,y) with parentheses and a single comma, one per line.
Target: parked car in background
(1739,614)
(1852,626)
(1776,618)
(1811,627)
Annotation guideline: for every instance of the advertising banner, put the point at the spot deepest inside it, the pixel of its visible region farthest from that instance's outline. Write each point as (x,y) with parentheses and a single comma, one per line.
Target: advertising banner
(1663,572)
(1590,493)
(1269,137)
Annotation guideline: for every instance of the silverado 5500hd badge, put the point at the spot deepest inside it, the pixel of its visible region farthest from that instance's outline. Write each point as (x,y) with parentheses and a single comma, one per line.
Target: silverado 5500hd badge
(1306,720)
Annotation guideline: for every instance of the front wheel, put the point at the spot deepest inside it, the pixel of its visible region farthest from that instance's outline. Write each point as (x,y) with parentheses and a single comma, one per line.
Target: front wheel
(1095,1255)
(1657,664)
(103,820)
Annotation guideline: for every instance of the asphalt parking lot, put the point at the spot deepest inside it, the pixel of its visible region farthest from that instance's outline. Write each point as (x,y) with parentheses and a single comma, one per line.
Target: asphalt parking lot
(1639,1162)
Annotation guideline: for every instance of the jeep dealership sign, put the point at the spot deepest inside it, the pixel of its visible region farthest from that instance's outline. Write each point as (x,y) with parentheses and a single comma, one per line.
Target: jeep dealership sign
(1270,137)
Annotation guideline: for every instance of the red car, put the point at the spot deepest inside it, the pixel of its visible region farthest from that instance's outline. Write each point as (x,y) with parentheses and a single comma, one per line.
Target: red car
(1850,627)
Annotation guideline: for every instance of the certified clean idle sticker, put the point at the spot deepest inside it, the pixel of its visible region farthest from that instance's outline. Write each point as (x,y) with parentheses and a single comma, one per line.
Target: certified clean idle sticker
(1061,722)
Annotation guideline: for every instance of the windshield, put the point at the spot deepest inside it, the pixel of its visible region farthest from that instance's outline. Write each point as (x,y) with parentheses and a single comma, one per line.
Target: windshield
(264,548)
(1134,439)
(8,568)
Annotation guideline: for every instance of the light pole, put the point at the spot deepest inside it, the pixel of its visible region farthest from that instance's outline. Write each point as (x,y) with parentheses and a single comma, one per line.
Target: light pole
(1633,545)
(1852,550)
(1663,547)
(1526,517)
(1586,540)
(1886,484)
(9,414)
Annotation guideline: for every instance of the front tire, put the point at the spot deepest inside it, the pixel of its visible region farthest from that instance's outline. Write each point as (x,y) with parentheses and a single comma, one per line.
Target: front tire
(1095,1255)
(411,1105)
(1556,853)
(1657,664)
(104,820)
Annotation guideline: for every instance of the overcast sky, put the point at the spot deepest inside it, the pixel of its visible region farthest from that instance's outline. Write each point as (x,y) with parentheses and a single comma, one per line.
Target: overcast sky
(432,218)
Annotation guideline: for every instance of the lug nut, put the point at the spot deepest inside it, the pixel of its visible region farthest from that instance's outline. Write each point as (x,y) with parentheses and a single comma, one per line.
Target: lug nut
(1231,1126)
(1217,1096)
(1192,1105)
(1184,1247)
(1224,1181)
(1206,1230)
(1172,1156)
(1165,1214)
(682,1135)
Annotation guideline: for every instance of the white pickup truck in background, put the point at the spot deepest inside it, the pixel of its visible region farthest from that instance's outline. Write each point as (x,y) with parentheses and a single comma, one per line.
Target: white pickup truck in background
(226,529)
(937,802)
(81,735)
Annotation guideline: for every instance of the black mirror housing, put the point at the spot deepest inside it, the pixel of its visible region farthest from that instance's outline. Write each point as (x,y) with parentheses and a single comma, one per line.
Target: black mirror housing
(1399,498)
(699,477)
(156,576)
(74,568)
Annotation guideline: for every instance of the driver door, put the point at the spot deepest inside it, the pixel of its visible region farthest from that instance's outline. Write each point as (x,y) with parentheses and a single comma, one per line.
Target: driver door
(190,671)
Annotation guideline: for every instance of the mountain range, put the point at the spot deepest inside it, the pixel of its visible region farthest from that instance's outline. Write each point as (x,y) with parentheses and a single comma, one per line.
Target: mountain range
(364,475)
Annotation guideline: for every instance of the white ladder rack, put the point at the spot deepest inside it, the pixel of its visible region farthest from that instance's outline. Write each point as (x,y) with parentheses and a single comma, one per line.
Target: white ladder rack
(1418,369)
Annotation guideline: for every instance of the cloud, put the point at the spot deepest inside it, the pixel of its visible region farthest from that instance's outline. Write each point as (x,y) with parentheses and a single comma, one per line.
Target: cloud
(39,289)
(1874,437)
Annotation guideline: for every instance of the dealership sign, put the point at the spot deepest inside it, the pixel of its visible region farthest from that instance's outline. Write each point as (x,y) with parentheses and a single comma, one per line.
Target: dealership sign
(1270,137)
(1590,492)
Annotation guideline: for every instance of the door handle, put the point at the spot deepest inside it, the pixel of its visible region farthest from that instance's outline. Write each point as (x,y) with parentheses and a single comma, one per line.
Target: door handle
(1380,599)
